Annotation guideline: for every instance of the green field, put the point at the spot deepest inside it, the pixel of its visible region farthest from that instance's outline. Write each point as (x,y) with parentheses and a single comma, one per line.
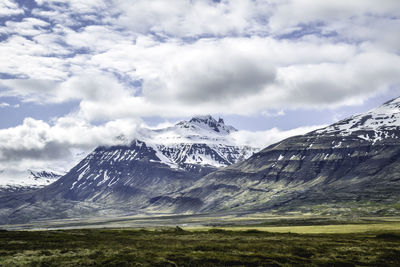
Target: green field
(235,246)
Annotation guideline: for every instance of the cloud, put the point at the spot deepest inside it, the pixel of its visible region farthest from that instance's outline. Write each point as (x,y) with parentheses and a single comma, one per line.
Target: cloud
(92,86)
(262,139)
(9,8)
(36,139)
(228,76)
(26,27)
(147,59)
(38,145)
(7,105)
(22,57)
(323,13)
(209,71)
(192,18)
(245,75)
(339,84)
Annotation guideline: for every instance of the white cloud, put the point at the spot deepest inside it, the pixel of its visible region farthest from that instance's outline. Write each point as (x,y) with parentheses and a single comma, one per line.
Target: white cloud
(9,8)
(290,14)
(23,57)
(7,105)
(193,18)
(88,86)
(241,70)
(4,105)
(28,26)
(263,139)
(79,6)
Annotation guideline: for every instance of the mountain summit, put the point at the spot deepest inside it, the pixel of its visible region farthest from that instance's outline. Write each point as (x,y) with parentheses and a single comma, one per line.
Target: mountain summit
(200,129)
(376,125)
(207,122)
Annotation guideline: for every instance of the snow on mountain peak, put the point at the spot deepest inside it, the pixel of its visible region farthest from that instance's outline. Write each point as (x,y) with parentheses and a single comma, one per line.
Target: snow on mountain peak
(394,102)
(207,122)
(29,179)
(377,124)
(202,140)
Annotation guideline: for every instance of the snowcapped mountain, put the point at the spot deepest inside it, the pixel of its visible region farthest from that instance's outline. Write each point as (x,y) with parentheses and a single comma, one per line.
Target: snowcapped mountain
(22,179)
(379,124)
(10,182)
(200,141)
(194,147)
(129,177)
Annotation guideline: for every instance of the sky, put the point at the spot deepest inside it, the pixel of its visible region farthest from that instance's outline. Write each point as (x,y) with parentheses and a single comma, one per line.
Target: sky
(75,74)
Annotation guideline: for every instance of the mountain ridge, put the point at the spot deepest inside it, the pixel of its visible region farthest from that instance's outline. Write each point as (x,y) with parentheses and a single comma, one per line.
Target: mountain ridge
(326,166)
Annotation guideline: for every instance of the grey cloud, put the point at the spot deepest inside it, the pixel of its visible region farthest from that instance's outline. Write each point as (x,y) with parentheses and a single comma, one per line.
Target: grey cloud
(50,151)
(331,84)
(89,86)
(227,81)
(37,90)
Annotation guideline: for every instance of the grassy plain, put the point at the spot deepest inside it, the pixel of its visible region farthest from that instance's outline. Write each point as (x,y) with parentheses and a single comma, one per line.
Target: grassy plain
(363,244)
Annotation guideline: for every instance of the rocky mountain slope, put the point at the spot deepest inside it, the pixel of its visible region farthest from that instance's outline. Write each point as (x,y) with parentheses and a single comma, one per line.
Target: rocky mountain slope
(351,167)
(169,160)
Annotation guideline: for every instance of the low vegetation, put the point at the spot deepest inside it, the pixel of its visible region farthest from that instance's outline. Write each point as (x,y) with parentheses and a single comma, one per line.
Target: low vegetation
(212,247)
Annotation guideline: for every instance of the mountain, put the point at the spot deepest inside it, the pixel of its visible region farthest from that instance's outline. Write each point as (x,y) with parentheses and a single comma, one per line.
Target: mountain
(16,179)
(350,167)
(127,178)
(30,180)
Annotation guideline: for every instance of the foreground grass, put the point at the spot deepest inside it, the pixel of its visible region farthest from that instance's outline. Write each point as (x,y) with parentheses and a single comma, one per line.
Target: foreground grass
(214,247)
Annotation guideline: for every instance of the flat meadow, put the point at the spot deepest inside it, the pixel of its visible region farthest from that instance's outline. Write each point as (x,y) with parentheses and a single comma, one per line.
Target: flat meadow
(374,244)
